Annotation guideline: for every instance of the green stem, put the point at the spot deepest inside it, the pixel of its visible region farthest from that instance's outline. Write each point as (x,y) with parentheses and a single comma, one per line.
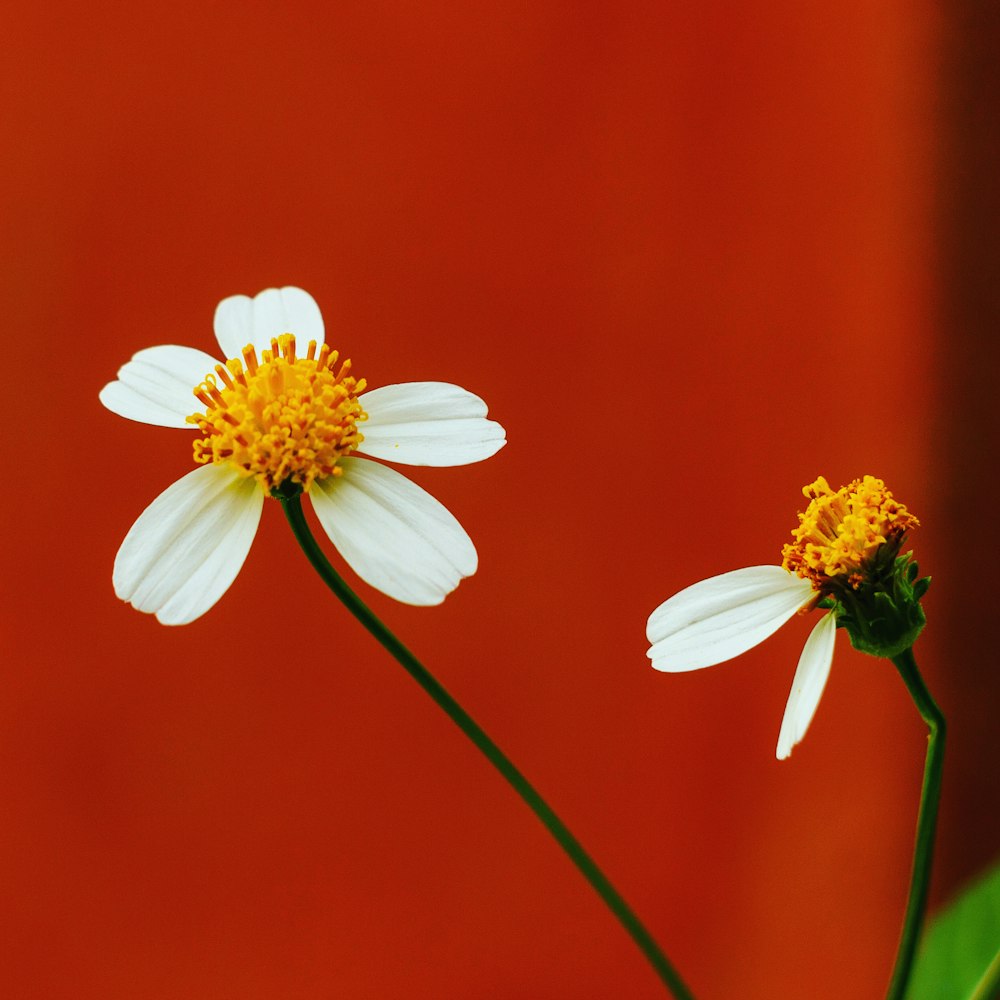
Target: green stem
(923,850)
(666,972)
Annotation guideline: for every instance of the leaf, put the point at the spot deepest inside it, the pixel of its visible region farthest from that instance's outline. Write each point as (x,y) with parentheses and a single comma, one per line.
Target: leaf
(958,957)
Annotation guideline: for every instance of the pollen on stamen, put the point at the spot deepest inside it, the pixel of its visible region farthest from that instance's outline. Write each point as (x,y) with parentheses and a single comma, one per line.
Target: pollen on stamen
(223,372)
(250,359)
(203,397)
(283,416)
(217,397)
(841,531)
(235,368)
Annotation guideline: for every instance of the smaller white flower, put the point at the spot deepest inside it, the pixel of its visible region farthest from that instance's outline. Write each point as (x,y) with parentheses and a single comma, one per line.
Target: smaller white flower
(841,536)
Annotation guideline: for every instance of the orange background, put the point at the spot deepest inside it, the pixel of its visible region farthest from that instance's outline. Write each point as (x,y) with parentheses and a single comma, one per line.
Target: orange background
(692,256)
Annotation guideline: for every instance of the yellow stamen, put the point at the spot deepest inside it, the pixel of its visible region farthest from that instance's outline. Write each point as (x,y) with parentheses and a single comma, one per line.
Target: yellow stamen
(223,372)
(284,417)
(203,397)
(235,367)
(217,397)
(841,530)
(250,358)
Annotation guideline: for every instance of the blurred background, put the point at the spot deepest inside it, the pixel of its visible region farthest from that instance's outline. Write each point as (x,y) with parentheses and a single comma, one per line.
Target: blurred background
(693,256)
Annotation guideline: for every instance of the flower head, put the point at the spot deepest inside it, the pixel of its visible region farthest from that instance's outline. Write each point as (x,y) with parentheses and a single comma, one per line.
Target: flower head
(844,558)
(282,411)
(841,531)
(281,417)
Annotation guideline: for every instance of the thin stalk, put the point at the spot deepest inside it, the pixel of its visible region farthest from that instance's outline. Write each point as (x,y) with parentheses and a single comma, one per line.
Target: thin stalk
(633,926)
(923,851)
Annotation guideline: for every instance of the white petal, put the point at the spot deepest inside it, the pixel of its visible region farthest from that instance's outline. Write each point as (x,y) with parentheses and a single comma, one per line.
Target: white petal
(428,423)
(807,686)
(157,385)
(234,325)
(240,320)
(187,546)
(394,535)
(721,617)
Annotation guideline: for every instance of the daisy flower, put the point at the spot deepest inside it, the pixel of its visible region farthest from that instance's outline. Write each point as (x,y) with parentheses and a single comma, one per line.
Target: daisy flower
(283,411)
(844,557)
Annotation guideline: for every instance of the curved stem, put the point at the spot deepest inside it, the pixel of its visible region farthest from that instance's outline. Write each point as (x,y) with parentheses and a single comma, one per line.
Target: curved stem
(923,851)
(666,972)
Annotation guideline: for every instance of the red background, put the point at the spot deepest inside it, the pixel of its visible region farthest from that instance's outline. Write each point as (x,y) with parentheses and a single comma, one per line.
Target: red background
(692,257)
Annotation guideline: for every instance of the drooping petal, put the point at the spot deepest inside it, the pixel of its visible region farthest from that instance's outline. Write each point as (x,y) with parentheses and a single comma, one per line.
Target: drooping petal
(240,320)
(428,423)
(721,617)
(188,545)
(393,534)
(157,385)
(808,683)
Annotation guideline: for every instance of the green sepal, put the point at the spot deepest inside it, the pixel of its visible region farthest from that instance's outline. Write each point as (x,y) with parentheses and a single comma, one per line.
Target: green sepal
(288,490)
(882,615)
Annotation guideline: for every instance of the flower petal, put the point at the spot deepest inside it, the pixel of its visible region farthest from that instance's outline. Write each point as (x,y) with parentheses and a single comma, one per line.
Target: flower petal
(157,385)
(428,423)
(187,546)
(393,534)
(721,617)
(808,683)
(240,320)
(233,325)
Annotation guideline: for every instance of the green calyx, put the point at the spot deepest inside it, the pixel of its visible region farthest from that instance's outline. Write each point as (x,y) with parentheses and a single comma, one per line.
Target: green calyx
(288,490)
(882,614)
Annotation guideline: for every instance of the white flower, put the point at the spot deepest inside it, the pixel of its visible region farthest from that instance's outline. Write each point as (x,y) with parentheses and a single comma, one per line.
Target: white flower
(726,615)
(845,544)
(280,408)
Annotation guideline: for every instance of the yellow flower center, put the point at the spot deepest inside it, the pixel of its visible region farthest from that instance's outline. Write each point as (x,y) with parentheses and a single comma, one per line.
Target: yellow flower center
(841,530)
(280,417)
